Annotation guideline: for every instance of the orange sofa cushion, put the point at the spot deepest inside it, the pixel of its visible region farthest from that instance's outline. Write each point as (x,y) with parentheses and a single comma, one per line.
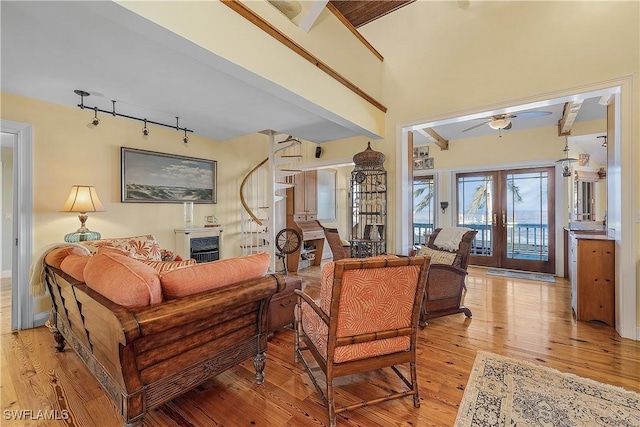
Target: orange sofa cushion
(123,280)
(74,265)
(56,256)
(210,275)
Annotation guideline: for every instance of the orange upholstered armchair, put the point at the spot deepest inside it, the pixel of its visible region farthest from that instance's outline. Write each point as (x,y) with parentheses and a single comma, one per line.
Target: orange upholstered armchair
(366,319)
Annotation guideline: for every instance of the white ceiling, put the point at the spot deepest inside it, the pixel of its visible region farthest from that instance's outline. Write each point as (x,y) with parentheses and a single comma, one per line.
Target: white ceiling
(51,48)
(452,129)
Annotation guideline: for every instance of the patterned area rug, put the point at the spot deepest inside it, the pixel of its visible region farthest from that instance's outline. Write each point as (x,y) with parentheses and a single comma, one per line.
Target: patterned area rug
(522,275)
(506,392)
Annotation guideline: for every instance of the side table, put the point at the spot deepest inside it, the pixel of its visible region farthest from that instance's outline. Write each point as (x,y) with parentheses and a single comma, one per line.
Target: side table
(282,306)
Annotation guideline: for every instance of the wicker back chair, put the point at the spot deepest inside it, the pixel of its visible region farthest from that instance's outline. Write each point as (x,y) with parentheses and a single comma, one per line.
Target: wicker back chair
(464,249)
(446,288)
(366,320)
(339,250)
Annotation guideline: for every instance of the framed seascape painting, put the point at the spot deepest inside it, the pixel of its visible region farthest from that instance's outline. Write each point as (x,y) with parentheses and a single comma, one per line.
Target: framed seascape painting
(150,177)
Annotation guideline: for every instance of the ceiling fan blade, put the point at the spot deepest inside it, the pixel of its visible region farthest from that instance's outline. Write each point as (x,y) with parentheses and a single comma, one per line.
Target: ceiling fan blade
(477,126)
(507,127)
(530,114)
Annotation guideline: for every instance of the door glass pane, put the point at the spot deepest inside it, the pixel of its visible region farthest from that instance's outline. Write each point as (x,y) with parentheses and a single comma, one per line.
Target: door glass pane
(423,209)
(475,208)
(527,216)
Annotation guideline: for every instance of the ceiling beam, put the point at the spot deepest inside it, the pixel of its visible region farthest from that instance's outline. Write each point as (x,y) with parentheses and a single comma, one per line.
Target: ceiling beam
(311,14)
(569,115)
(434,137)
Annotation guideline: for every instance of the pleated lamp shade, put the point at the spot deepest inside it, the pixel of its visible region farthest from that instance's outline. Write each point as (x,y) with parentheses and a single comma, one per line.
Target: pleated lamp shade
(83,199)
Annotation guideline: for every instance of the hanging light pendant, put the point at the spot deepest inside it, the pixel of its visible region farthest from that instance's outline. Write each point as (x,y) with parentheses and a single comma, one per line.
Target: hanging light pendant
(566,160)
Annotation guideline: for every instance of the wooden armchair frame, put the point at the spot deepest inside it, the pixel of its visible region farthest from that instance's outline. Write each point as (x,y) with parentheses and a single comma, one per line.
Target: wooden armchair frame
(339,250)
(446,286)
(333,369)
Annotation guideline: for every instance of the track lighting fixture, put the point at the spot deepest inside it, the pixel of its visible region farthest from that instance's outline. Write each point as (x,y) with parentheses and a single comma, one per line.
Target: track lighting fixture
(145,130)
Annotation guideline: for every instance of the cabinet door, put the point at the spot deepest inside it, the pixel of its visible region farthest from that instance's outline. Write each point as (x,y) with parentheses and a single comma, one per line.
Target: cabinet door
(311,193)
(305,195)
(596,284)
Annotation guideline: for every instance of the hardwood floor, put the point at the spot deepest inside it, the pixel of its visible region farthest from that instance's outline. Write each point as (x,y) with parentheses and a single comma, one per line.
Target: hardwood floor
(519,318)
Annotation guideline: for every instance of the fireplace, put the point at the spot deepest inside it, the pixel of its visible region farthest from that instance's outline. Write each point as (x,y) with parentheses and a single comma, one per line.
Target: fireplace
(201,244)
(205,249)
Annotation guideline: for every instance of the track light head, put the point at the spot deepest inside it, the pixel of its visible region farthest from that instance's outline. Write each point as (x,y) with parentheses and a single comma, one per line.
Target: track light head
(96,120)
(185,139)
(145,130)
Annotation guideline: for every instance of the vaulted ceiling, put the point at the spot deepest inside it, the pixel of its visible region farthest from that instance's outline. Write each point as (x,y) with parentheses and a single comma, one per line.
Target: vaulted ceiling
(360,13)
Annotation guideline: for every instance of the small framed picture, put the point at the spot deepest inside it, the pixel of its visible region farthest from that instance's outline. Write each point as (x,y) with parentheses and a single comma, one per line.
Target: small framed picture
(421,159)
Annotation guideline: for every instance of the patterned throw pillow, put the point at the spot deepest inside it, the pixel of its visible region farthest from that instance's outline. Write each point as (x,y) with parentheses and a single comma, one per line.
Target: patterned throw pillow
(139,247)
(438,257)
(162,266)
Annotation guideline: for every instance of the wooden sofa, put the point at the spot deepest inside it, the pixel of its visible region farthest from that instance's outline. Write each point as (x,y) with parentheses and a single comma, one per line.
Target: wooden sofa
(146,356)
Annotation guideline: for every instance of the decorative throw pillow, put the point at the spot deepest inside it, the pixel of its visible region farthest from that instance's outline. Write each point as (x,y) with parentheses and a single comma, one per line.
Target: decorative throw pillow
(210,275)
(124,280)
(56,256)
(139,247)
(74,266)
(438,257)
(162,266)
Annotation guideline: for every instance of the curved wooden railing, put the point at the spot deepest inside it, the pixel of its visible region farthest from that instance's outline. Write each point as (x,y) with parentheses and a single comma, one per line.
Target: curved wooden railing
(243,200)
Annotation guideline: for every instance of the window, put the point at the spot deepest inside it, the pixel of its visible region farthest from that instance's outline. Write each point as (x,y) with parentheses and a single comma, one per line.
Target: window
(423,208)
(326,195)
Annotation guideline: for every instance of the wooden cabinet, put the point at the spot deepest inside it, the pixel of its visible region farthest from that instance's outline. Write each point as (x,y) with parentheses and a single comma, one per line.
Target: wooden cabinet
(301,215)
(592,272)
(305,205)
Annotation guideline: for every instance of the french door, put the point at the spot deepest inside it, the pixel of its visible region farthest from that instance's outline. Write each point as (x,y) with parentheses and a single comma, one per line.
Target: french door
(513,211)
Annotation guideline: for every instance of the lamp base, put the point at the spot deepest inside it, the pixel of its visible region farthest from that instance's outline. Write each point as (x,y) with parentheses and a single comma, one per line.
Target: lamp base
(81,236)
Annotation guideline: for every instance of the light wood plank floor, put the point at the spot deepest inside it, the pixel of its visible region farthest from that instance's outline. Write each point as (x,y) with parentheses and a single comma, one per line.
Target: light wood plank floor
(524,319)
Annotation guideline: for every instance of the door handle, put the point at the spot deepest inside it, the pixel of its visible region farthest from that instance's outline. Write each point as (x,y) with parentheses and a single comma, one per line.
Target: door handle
(504,218)
(495,219)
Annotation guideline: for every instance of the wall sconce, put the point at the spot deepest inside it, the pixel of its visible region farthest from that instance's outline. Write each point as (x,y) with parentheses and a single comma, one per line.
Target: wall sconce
(444,206)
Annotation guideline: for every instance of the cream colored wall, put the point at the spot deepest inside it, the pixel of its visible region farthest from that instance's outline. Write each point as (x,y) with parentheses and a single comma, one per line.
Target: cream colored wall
(68,150)
(222,31)
(442,58)
(353,60)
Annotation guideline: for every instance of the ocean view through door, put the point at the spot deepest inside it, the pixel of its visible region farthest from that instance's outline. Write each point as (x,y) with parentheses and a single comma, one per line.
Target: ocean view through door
(513,211)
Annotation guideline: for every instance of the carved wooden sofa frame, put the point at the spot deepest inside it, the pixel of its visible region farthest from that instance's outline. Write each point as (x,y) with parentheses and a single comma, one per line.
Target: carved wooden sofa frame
(144,357)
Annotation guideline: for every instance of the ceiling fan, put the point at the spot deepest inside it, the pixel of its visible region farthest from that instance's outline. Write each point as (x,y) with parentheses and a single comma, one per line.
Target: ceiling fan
(503,121)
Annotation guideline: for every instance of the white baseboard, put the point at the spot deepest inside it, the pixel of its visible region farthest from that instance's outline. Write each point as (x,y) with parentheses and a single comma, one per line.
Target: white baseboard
(5,273)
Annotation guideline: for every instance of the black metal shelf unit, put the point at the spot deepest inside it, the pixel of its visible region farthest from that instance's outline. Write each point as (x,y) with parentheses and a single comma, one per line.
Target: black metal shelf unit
(368,204)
